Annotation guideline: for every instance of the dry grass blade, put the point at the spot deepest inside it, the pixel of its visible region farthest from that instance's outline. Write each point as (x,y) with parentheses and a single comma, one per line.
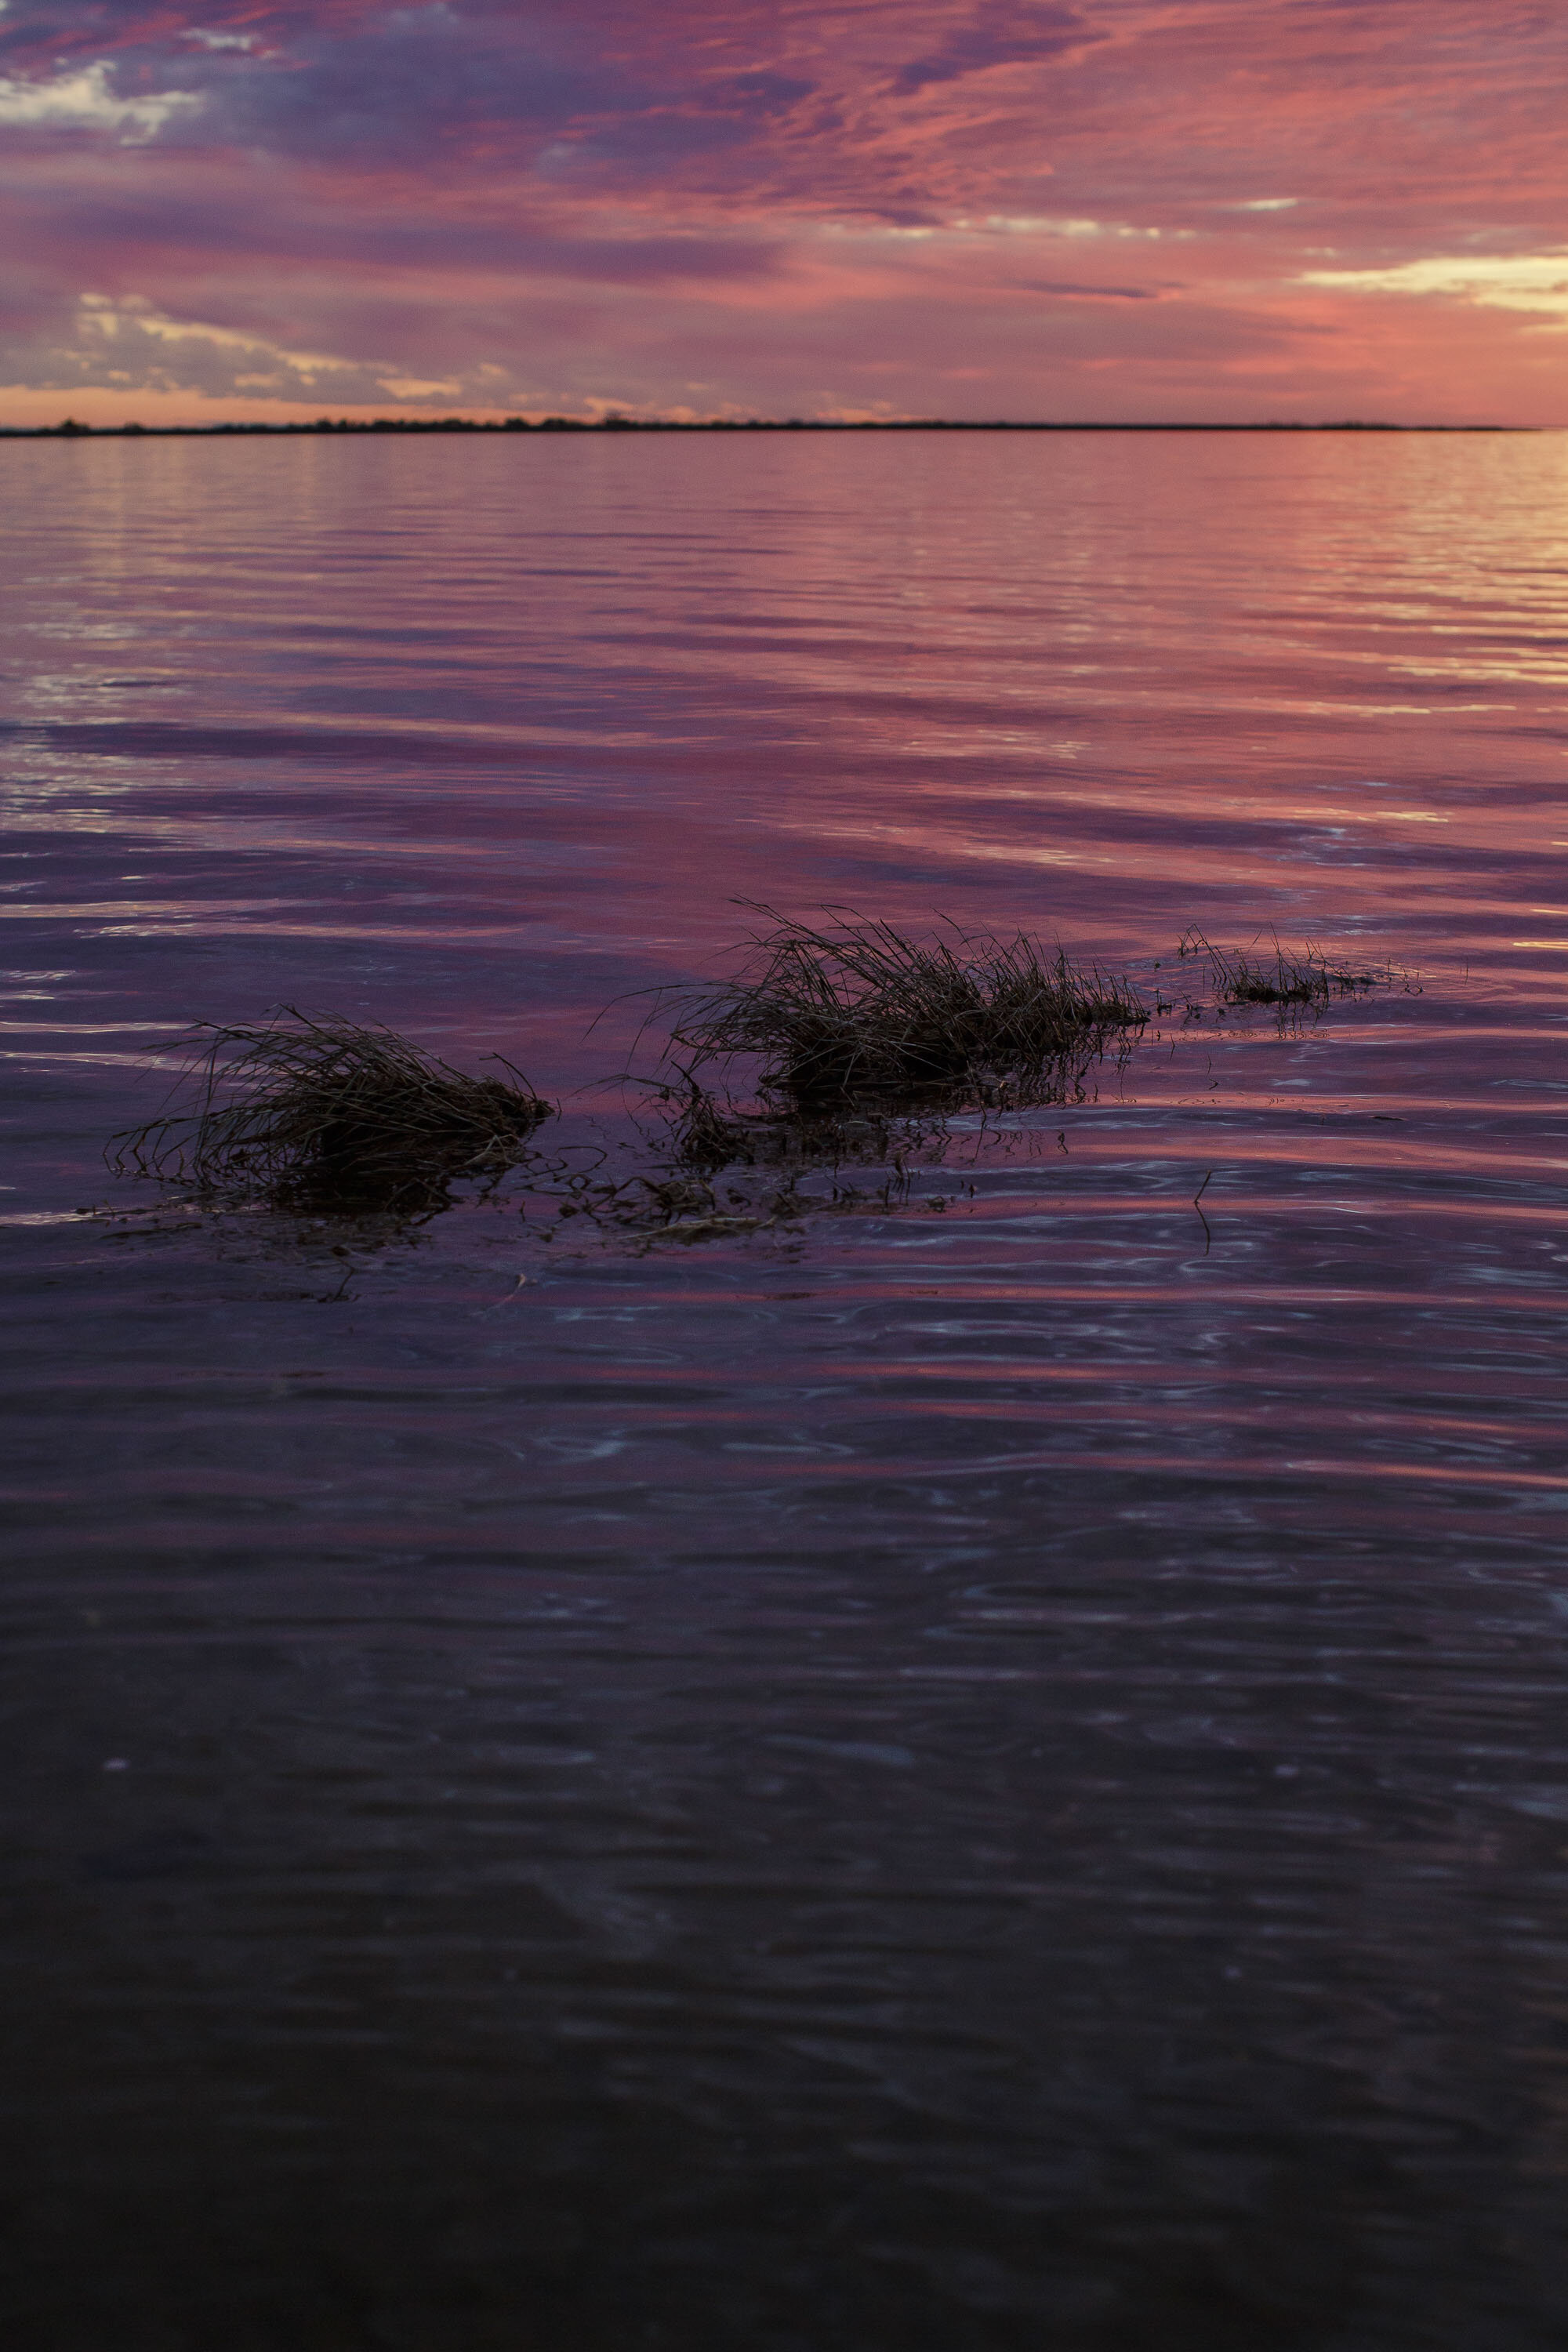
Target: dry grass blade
(1287,977)
(306,1110)
(857,1010)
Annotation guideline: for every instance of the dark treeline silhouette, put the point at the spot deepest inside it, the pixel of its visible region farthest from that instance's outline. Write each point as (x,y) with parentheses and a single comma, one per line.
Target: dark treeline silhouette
(69,430)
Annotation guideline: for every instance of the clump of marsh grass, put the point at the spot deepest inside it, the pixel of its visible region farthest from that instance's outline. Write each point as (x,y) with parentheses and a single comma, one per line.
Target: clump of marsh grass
(1287,978)
(309,1111)
(855,1012)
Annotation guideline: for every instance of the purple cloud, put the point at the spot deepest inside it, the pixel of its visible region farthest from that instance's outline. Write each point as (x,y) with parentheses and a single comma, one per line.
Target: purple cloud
(997,32)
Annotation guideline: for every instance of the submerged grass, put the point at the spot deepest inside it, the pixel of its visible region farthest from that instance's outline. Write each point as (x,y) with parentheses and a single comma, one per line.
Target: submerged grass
(709,1132)
(307,1110)
(1287,978)
(856,1012)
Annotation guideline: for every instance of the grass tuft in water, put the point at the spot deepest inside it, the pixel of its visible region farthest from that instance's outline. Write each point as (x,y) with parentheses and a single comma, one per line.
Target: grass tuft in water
(1287,978)
(308,1110)
(859,1011)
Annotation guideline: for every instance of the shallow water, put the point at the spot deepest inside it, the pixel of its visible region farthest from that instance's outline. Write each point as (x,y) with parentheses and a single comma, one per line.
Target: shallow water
(981,1776)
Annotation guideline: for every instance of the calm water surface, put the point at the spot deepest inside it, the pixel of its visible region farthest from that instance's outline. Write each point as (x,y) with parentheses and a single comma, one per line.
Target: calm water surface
(966,1778)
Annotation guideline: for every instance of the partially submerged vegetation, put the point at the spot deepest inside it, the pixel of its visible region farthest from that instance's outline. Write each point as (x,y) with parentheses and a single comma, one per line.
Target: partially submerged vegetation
(709,1132)
(1286,977)
(753,1174)
(857,1044)
(858,1013)
(306,1110)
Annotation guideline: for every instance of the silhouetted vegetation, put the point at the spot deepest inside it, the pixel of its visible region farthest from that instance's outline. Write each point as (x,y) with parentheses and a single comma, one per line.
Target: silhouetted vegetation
(859,1044)
(857,1013)
(307,1110)
(1287,978)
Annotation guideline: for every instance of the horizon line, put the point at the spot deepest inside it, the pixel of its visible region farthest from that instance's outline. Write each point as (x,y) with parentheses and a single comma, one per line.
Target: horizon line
(69,429)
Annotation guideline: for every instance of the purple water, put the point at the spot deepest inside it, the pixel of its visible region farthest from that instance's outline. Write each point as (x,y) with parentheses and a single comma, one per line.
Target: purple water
(972,1778)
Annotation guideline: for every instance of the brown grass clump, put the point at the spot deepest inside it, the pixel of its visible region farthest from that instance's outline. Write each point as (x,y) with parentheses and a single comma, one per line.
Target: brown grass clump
(308,1110)
(1288,979)
(859,1011)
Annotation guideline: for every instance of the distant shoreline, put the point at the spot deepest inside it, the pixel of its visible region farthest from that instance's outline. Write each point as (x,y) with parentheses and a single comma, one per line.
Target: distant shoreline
(69,430)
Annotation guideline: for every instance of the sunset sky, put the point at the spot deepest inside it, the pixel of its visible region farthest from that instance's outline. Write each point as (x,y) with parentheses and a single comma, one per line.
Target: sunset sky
(1120,210)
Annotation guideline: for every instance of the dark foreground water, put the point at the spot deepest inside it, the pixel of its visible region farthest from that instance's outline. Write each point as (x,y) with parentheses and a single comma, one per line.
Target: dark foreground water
(961,1777)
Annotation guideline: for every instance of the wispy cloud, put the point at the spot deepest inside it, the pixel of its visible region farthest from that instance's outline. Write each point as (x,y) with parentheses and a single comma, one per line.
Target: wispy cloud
(992,35)
(1512,281)
(210,40)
